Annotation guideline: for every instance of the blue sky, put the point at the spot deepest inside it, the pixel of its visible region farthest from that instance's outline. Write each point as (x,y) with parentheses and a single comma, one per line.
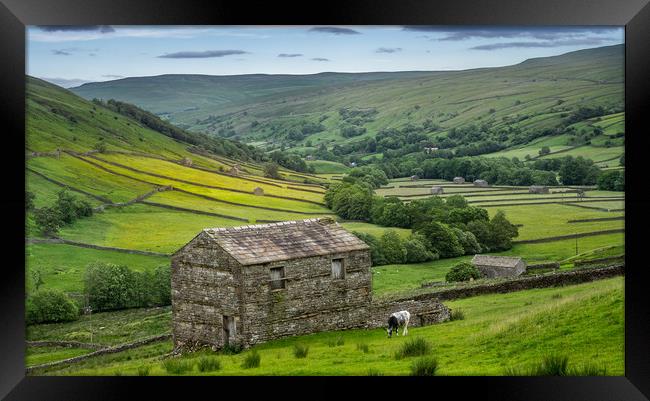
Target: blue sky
(71,55)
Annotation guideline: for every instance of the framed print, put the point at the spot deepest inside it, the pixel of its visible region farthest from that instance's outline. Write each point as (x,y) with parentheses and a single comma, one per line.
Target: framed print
(236,190)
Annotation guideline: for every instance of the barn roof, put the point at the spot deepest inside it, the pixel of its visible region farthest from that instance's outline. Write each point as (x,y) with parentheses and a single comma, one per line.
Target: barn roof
(497,261)
(263,243)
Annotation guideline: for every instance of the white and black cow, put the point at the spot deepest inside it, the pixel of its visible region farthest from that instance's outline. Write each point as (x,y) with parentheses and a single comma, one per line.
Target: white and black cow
(397,320)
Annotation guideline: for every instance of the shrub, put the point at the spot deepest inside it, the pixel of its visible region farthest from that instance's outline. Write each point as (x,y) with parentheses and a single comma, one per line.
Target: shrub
(413,347)
(109,286)
(426,366)
(416,250)
(29,200)
(252,360)
(463,272)
(209,364)
(178,366)
(232,349)
(143,371)
(45,306)
(48,219)
(271,170)
(392,247)
(300,350)
(457,314)
(363,348)
(162,286)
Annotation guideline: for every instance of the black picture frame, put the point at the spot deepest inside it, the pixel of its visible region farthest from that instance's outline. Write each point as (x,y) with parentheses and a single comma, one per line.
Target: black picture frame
(633,14)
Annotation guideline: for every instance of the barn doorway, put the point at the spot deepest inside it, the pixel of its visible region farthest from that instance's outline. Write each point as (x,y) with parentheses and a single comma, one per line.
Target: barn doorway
(229,329)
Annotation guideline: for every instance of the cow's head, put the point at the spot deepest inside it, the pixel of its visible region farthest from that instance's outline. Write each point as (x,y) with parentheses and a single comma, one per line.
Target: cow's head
(392,326)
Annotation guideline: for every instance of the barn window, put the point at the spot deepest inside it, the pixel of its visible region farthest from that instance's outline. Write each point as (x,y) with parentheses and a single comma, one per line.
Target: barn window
(277,278)
(338,269)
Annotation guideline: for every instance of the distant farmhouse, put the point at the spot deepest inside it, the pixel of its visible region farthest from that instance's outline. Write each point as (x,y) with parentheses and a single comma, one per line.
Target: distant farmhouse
(499,266)
(538,189)
(437,190)
(480,183)
(459,180)
(250,284)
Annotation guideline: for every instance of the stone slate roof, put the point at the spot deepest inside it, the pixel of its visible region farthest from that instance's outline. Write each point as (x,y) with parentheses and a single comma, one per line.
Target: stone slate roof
(497,261)
(263,243)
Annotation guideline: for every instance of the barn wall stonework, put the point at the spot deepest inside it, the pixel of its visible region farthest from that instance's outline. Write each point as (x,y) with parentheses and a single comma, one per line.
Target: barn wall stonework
(208,283)
(496,271)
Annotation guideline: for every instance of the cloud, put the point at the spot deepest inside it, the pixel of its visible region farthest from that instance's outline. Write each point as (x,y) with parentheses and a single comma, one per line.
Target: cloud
(388,50)
(551,43)
(458,33)
(203,54)
(290,55)
(112,76)
(77,28)
(335,30)
(66,82)
(320,59)
(60,53)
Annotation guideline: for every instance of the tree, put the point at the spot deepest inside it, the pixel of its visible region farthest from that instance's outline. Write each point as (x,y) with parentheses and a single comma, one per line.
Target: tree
(416,250)
(501,232)
(376,252)
(481,231)
(544,150)
(441,240)
(29,200)
(109,286)
(271,170)
(162,285)
(468,241)
(612,180)
(463,272)
(621,161)
(49,220)
(50,306)
(392,247)
(457,201)
(100,147)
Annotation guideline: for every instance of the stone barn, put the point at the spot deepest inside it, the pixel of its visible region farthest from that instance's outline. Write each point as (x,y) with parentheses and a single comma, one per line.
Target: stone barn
(459,180)
(414,178)
(258,191)
(437,190)
(538,189)
(480,183)
(251,284)
(499,266)
(234,170)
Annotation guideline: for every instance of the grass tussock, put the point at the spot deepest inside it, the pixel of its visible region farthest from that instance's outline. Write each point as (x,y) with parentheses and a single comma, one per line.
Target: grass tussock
(300,350)
(143,370)
(335,342)
(425,366)
(413,347)
(209,364)
(252,360)
(178,366)
(374,372)
(456,314)
(363,348)
(232,349)
(556,365)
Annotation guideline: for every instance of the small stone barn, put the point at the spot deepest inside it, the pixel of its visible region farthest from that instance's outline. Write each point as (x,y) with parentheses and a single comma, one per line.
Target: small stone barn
(437,190)
(459,180)
(251,284)
(258,191)
(414,178)
(480,183)
(499,266)
(234,170)
(538,189)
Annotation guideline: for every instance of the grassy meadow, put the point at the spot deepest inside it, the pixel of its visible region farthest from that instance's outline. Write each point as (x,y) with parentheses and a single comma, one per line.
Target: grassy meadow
(499,332)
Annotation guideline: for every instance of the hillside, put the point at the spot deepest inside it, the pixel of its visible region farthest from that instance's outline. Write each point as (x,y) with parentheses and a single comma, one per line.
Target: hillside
(503,107)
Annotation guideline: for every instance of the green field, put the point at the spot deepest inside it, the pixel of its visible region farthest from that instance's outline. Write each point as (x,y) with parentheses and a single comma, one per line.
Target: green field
(41,355)
(62,266)
(500,331)
(327,167)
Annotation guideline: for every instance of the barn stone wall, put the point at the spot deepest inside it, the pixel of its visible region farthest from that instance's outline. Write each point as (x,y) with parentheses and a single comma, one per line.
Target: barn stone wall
(205,286)
(208,283)
(311,301)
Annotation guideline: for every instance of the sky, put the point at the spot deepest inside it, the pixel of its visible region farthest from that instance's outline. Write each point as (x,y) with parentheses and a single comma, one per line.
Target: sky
(72,55)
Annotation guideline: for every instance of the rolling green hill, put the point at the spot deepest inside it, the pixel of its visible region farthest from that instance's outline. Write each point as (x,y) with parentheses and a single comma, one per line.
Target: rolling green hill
(510,105)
